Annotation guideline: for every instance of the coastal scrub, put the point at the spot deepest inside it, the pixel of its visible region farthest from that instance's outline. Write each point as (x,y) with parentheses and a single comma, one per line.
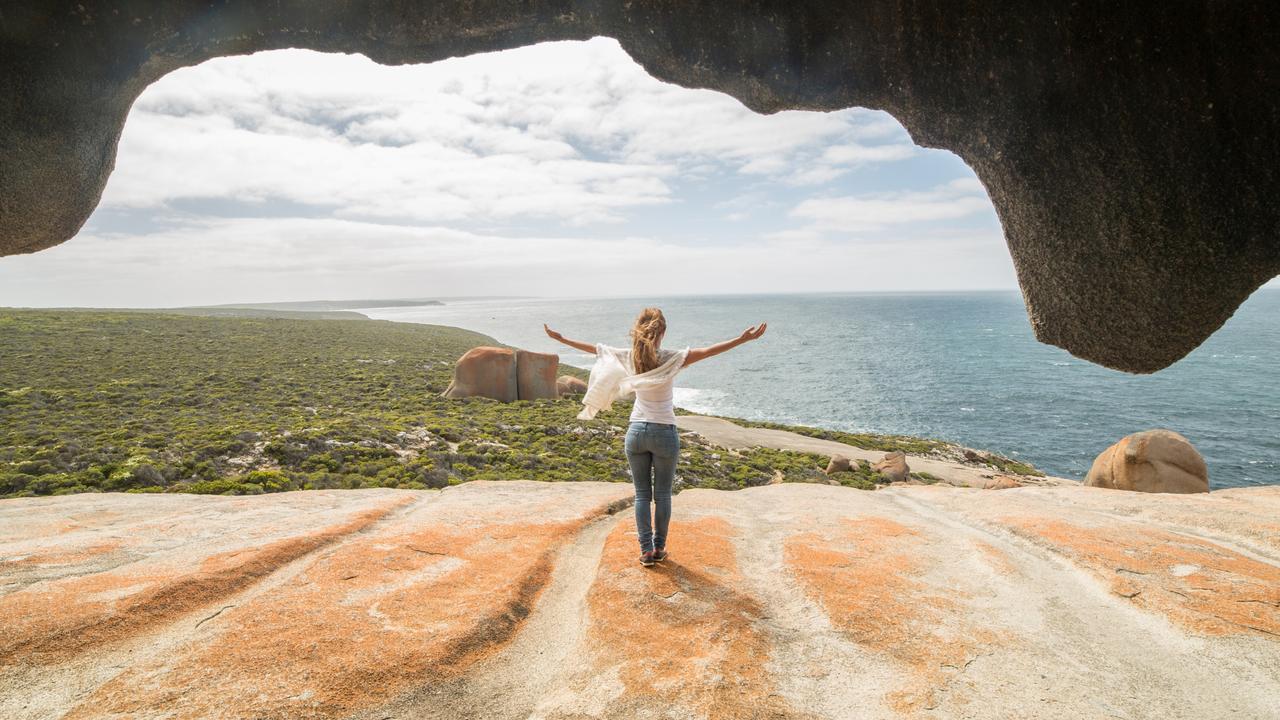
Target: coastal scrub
(151,402)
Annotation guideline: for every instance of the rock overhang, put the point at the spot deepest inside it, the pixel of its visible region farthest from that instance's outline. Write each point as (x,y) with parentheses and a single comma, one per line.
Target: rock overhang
(1130,152)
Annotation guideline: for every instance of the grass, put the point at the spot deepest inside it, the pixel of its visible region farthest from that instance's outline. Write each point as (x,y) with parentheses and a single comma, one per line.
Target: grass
(155,402)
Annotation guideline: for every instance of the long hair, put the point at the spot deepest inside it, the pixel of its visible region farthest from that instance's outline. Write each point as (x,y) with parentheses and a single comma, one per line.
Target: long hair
(645,336)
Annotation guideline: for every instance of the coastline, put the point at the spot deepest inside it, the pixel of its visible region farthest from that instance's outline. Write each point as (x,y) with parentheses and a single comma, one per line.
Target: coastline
(250,404)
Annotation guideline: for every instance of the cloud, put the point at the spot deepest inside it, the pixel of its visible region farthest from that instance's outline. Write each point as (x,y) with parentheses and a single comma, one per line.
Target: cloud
(876,211)
(557,169)
(273,259)
(574,132)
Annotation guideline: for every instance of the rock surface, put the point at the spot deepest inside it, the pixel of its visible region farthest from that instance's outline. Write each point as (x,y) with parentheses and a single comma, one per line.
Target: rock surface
(570,385)
(1150,461)
(505,374)
(519,599)
(728,434)
(536,375)
(485,372)
(893,466)
(1129,149)
(838,463)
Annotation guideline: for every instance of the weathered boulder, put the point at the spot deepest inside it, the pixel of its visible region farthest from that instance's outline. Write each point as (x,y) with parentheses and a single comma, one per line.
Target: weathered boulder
(839,463)
(485,372)
(1160,461)
(893,467)
(536,375)
(1001,482)
(570,385)
(1115,140)
(504,374)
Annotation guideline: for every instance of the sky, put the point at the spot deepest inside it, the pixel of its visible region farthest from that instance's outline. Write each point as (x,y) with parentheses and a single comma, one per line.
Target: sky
(560,169)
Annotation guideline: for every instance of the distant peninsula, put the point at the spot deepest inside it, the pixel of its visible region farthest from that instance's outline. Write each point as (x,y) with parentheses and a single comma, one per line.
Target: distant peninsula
(326,305)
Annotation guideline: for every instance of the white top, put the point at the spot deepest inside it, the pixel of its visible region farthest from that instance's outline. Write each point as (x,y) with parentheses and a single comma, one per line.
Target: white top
(612,376)
(654,401)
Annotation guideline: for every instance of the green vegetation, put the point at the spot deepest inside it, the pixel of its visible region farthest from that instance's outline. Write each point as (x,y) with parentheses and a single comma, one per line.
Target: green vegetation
(154,402)
(1004,464)
(926,478)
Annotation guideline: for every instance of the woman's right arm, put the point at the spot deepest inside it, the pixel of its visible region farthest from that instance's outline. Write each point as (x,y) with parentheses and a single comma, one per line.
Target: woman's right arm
(747,335)
(584,347)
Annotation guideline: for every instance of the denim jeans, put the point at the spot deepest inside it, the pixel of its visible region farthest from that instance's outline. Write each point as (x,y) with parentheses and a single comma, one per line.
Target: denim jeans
(652,450)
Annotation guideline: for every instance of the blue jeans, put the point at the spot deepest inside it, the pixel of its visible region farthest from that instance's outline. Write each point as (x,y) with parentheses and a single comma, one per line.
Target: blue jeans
(652,450)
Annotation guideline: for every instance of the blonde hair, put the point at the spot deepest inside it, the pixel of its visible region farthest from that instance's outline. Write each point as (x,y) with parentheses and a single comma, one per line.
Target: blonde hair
(645,336)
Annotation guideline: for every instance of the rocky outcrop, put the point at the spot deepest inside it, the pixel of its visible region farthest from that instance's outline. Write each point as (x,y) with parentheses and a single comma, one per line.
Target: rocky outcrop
(728,434)
(536,375)
(1128,148)
(504,374)
(485,372)
(522,599)
(893,467)
(1159,461)
(570,385)
(838,463)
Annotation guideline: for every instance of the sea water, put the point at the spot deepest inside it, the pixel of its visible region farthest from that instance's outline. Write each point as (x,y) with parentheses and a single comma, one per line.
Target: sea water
(958,367)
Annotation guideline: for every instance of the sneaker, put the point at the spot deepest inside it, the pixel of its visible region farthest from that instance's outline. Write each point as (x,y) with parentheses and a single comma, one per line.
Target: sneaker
(646,558)
(659,555)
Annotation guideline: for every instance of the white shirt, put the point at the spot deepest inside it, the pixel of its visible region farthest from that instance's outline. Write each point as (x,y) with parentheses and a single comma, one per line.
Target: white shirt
(612,376)
(654,401)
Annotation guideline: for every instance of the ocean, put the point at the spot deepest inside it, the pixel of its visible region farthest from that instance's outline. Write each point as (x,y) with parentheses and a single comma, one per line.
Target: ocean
(962,367)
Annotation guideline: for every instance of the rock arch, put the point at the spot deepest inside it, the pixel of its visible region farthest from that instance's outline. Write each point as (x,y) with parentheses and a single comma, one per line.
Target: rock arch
(1130,150)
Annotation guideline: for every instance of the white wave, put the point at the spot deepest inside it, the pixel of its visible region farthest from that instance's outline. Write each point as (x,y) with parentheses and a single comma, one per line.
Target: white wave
(700,400)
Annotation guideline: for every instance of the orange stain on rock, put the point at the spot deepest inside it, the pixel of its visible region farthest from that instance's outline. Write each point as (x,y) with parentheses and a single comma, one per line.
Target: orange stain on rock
(69,557)
(1198,584)
(869,580)
(998,559)
(381,615)
(682,634)
(106,607)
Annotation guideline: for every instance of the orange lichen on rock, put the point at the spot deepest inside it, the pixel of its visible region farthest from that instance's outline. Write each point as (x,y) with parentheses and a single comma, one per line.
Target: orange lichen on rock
(1202,586)
(383,613)
(681,635)
(69,557)
(870,580)
(998,559)
(56,620)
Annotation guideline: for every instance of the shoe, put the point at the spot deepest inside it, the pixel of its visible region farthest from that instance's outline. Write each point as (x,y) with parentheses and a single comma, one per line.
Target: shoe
(659,555)
(646,558)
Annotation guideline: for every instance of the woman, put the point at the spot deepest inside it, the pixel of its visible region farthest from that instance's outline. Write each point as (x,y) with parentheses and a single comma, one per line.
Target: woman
(652,442)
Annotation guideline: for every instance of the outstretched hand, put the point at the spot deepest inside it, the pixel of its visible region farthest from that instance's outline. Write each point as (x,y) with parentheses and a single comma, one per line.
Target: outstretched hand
(552,333)
(753,333)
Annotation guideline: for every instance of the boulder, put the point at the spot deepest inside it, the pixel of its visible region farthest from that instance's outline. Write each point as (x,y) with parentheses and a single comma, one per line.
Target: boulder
(839,463)
(570,385)
(893,466)
(1001,482)
(536,375)
(1159,461)
(485,372)
(505,375)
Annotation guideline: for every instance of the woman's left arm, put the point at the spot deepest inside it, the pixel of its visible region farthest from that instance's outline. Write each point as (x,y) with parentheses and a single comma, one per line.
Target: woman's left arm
(584,347)
(751,333)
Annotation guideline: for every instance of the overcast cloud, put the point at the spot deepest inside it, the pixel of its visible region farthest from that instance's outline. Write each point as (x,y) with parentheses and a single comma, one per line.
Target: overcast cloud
(558,169)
